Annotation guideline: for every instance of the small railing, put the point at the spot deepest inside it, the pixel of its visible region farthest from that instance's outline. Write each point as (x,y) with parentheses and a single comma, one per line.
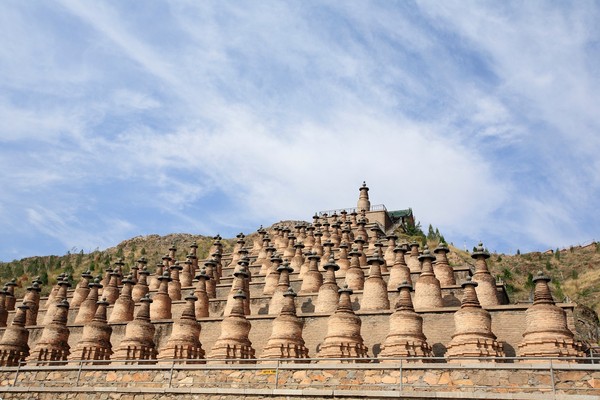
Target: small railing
(258,368)
(376,207)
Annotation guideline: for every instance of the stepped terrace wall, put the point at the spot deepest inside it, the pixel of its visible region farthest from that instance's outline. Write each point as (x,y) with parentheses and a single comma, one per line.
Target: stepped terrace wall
(508,323)
(508,320)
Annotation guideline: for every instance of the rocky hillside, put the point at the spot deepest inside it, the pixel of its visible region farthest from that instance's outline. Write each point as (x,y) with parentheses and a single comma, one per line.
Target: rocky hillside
(574,272)
(75,262)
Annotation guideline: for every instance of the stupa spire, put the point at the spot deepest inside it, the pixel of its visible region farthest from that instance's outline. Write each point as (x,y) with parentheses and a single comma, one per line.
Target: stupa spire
(363,198)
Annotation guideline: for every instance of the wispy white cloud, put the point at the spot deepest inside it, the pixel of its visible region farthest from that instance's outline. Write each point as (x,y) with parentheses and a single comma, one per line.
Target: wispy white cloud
(102,17)
(223,116)
(63,227)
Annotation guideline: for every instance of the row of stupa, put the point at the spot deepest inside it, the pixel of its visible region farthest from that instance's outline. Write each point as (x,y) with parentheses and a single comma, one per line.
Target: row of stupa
(330,256)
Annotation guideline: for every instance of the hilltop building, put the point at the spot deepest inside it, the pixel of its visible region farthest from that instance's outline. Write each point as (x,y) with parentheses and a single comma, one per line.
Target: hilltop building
(378,213)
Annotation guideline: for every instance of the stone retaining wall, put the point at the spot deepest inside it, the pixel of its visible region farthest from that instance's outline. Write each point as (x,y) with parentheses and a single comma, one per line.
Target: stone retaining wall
(387,380)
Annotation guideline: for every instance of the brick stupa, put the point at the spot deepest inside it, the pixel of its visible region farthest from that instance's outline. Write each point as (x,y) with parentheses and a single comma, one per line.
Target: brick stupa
(343,339)
(3,310)
(94,345)
(312,279)
(328,296)
(53,345)
(405,338)
(186,277)
(138,347)
(160,306)
(32,300)
(233,345)
(238,285)
(61,294)
(174,286)
(375,295)
(278,300)
(272,276)
(486,288)
(184,343)
(399,272)
(343,261)
(111,290)
(390,255)
(355,277)
(140,289)
(428,293)
(124,306)
(211,269)
(82,289)
(14,348)
(473,336)
(442,270)
(10,300)
(412,259)
(286,337)
(87,310)
(201,305)
(547,333)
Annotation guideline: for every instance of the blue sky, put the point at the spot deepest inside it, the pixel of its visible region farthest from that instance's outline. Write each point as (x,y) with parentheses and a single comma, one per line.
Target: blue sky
(125,118)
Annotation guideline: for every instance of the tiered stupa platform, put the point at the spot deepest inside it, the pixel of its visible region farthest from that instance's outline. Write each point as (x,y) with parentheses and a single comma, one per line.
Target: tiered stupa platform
(353,247)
